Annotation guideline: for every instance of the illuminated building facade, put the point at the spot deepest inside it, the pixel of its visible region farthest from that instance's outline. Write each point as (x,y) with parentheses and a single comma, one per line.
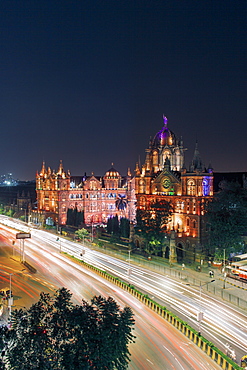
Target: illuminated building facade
(163,176)
(99,197)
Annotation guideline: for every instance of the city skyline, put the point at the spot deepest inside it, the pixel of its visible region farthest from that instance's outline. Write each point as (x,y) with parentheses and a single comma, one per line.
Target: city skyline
(88,83)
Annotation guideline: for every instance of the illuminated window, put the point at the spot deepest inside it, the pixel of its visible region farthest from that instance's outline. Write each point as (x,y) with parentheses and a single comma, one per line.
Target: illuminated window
(205,187)
(155,158)
(93,185)
(191,187)
(141,186)
(194,206)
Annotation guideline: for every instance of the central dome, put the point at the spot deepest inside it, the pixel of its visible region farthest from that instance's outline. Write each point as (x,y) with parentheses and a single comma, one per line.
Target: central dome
(164,137)
(112,173)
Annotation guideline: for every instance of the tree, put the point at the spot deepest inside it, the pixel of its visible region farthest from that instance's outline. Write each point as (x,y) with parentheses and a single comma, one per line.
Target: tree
(121,202)
(124,227)
(113,226)
(82,234)
(151,224)
(116,229)
(226,216)
(56,334)
(74,217)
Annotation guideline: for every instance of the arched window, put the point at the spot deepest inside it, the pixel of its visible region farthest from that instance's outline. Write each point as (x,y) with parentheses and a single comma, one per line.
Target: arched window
(205,187)
(93,185)
(141,186)
(166,154)
(191,187)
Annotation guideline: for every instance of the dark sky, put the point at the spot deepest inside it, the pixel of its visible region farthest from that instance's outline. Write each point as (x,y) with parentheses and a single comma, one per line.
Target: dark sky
(88,82)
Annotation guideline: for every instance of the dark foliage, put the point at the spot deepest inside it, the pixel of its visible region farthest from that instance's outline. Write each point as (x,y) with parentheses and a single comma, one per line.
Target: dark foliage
(226,216)
(75,217)
(56,334)
(151,223)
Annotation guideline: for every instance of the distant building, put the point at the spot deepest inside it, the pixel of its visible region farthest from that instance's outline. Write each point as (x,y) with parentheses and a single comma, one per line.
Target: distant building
(100,197)
(163,176)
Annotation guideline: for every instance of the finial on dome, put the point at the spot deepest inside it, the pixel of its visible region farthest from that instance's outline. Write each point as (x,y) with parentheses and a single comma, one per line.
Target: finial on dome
(165,120)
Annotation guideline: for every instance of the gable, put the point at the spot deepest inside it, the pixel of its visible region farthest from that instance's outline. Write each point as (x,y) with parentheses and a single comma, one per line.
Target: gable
(92,183)
(166,183)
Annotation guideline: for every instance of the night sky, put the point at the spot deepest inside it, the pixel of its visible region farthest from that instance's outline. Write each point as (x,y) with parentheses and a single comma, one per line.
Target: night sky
(89,81)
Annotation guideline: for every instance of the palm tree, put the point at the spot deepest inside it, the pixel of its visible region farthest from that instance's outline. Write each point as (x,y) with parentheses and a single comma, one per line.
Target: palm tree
(121,202)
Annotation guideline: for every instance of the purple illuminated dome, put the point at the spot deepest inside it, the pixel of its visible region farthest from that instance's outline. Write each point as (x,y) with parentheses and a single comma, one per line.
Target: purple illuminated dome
(165,136)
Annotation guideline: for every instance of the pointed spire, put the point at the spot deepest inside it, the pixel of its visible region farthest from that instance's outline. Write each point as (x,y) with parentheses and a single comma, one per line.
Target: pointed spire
(196,161)
(137,169)
(43,170)
(60,169)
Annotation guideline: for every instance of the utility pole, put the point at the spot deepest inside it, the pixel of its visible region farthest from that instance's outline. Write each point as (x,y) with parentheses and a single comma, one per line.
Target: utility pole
(59,240)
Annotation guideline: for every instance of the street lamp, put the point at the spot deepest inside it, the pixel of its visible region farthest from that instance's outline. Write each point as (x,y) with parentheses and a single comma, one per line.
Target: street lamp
(200,313)
(10,299)
(225,276)
(129,269)
(59,240)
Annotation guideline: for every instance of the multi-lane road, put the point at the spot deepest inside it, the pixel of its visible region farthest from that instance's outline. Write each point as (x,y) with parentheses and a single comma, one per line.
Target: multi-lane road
(158,345)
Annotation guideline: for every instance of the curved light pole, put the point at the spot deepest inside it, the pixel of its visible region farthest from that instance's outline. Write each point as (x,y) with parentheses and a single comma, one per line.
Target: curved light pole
(200,313)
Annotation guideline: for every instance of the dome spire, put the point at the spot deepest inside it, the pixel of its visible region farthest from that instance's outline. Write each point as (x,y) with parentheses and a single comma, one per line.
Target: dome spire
(165,120)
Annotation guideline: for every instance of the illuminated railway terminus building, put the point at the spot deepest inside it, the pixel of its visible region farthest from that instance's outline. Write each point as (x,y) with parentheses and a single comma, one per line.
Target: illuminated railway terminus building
(162,176)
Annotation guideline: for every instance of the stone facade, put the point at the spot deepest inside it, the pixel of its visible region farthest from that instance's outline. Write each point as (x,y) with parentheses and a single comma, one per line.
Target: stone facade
(99,197)
(163,176)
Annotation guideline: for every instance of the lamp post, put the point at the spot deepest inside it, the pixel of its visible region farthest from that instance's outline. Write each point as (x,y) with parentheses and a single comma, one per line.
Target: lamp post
(224,262)
(92,231)
(129,269)
(225,276)
(59,240)
(10,299)
(200,313)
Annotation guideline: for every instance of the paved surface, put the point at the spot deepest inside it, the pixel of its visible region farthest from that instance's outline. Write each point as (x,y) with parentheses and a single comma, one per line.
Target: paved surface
(227,289)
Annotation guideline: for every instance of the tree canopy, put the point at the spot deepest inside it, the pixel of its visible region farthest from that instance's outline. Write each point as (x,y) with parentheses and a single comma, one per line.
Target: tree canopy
(56,334)
(151,223)
(226,216)
(82,233)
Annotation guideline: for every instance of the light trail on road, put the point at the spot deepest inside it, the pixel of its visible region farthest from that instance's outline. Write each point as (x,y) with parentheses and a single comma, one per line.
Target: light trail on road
(158,345)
